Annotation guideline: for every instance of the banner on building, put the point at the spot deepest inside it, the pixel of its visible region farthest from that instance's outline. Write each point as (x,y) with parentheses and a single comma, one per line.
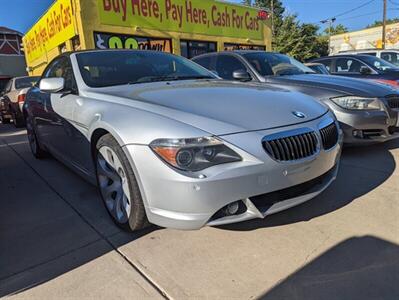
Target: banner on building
(55,27)
(207,17)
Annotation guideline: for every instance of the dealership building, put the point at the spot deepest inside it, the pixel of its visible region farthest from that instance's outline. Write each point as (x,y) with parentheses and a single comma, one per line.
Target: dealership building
(370,38)
(183,27)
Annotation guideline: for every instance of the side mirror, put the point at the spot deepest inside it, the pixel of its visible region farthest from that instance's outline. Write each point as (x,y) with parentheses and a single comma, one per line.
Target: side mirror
(365,70)
(241,75)
(52,85)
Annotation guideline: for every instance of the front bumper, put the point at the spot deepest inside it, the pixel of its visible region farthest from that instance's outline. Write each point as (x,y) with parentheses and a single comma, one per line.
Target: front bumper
(178,201)
(367,127)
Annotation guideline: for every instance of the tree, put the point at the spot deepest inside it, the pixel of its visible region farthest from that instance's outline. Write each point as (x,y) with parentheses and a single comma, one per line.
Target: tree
(278,7)
(278,10)
(336,30)
(379,23)
(299,40)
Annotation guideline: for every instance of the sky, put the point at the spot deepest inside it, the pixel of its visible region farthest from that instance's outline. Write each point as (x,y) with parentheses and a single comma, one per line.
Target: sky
(22,14)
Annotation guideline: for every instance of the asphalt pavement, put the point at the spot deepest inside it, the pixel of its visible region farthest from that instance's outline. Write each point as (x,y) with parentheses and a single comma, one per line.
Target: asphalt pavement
(57,240)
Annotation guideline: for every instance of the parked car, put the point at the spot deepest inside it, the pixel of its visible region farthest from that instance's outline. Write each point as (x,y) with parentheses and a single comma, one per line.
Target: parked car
(390,55)
(4,117)
(318,68)
(14,97)
(368,112)
(362,66)
(169,142)
(3,82)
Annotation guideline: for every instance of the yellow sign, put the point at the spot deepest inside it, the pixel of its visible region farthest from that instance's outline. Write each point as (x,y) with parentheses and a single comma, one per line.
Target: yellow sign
(190,16)
(54,28)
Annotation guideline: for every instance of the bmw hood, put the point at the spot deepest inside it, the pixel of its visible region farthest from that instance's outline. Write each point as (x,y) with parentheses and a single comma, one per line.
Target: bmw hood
(221,107)
(333,86)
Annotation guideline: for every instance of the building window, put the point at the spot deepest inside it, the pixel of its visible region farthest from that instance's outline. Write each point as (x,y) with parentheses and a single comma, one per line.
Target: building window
(191,49)
(231,47)
(62,48)
(76,43)
(123,41)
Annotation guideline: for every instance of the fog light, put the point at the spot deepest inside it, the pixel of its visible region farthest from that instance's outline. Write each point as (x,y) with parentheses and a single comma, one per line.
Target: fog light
(231,209)
(358,133)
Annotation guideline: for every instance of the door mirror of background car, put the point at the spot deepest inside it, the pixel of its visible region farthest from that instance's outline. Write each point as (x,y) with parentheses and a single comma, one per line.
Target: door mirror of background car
(365,70)
(241,75)
(52,85)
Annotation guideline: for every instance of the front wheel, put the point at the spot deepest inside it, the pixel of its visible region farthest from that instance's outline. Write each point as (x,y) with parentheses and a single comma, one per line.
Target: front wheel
(118,186)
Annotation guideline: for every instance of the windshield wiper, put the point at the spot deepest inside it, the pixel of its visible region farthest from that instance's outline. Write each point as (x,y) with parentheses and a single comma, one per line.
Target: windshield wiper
(170,78)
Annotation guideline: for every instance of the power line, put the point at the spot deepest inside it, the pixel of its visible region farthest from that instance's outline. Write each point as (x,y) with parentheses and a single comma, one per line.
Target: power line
(332,19)
(353,9)
(368,14)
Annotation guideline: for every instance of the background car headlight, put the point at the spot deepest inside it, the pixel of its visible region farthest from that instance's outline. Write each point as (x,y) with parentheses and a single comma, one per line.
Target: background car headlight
(357,103)
(194,154)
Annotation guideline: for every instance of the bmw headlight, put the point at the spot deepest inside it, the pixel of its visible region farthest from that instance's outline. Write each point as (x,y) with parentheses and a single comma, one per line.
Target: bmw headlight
(358,103)
(194,154)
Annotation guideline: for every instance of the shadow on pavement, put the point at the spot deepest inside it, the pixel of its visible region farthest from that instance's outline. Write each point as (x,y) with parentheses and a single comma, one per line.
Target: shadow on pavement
(358,268)
(52,222)
(362,169)
(49,225)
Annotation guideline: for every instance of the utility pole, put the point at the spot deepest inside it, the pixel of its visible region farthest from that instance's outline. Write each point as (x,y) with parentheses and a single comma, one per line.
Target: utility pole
(330,22)
(272,12)
(384,23)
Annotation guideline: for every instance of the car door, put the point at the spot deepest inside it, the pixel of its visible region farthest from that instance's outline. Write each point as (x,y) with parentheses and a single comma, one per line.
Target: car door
(350,67)
(58,110)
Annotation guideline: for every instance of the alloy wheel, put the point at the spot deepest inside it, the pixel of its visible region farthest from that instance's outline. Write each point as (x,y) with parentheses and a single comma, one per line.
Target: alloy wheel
(113,184)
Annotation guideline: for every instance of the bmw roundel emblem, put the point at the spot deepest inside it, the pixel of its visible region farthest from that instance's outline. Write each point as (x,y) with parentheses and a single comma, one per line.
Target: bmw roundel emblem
(298,114)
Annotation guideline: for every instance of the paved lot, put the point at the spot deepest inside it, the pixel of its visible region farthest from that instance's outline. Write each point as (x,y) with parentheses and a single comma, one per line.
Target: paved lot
(56,240)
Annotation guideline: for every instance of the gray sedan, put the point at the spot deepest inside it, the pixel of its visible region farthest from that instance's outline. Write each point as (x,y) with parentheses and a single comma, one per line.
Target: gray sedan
(167,142)
(368,112)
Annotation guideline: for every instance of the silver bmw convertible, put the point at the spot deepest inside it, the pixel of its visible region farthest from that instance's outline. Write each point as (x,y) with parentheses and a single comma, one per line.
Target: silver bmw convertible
(169,143)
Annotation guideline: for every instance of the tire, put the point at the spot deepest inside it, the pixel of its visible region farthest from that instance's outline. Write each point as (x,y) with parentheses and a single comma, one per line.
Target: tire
(35,146)
(19,122)
(5,120)
(118,185)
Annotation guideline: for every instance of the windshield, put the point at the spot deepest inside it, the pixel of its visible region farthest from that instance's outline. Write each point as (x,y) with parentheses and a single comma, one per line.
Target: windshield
(108,68)
(276,64)
(378,63)
(25,82)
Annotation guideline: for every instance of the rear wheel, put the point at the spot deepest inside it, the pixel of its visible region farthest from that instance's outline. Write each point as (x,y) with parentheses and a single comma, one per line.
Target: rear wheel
(5,120)
(37,150)
(18,121)
(118,186)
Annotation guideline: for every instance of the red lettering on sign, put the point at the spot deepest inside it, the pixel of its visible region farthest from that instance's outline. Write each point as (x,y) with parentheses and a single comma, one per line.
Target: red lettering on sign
(107,5)
(195,15)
